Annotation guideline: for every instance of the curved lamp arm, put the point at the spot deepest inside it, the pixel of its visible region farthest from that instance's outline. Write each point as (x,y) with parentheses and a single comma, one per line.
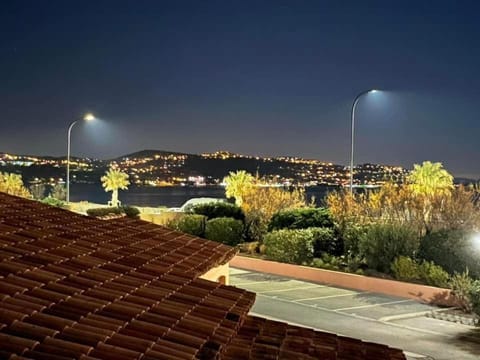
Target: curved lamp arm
(355,102)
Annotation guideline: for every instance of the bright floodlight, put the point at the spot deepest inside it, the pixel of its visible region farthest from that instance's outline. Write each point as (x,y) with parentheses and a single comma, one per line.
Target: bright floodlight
(89,117)
(476,241)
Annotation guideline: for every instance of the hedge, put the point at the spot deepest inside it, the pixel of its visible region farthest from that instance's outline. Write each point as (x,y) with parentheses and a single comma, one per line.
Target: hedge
(225,230)
(191,224)
(129,211)
(290,246)
(301,219)
(219,209)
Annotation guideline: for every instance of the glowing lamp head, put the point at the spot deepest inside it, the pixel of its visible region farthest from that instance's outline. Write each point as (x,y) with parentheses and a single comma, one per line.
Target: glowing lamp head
(373,91)
(89,117)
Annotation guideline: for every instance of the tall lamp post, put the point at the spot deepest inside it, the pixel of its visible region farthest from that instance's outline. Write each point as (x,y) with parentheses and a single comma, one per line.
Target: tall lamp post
(87,117)
(355,102)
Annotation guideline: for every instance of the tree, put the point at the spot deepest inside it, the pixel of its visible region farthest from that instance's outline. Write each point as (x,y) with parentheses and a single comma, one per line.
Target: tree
(13,184)
(238,184)
(261,203)
(58,192)
(38,191)
(431,182)
(430,179)
(113,180)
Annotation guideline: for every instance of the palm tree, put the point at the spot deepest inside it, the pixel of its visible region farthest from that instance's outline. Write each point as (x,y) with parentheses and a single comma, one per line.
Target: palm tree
(58,192)
(237,185)
(430,179)
(431,183)
(113,180)
(13,184)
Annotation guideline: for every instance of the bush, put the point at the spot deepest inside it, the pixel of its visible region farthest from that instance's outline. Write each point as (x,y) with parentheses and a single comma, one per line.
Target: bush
(53,202)
(290,246)
(192,224)
(453,250)
(351,238)
(302,218)
(462,286)
(225,230)
(405,269)
(324,241)
(433,275)
(104,211)
(219,209)
(131,211)
(382,243)
(475,297)
(328,262)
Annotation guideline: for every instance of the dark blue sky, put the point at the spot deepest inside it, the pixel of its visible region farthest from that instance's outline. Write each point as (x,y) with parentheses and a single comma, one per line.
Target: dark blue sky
(255,77)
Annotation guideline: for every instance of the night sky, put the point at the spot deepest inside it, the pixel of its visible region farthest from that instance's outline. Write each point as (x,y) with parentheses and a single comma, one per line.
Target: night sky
(253,77)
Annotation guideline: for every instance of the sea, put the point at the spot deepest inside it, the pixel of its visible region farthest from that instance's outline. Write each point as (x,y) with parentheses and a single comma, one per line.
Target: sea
(174,196)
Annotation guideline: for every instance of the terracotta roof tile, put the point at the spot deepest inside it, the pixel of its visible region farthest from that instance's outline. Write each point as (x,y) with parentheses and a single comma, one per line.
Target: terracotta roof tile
(74,287)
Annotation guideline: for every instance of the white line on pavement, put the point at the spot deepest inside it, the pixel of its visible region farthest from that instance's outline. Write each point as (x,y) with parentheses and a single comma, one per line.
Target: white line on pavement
(373,305)
(358,316)
(328,296)
(249,283)
(296,288)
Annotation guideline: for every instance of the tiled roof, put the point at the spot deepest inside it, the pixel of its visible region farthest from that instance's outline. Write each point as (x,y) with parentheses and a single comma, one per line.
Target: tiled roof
(74,287)
(259,338)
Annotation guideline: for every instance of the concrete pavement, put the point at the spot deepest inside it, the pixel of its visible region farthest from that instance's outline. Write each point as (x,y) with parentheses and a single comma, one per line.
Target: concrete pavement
(394,321)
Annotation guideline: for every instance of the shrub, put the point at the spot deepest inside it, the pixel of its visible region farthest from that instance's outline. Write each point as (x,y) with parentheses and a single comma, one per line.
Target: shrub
(382,243)
(351,238)
(433,275)
(219,209)
(475,297)
(131,211)
(328,262)
(290,246)
(99,212)
(192,224)
(462,285)
(453,250)
(261,203)
(225,230)
(324,241)
(405,269)
(53,201)
(302,218)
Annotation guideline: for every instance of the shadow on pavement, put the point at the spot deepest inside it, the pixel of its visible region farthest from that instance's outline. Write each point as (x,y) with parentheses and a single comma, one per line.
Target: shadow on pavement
(468,341)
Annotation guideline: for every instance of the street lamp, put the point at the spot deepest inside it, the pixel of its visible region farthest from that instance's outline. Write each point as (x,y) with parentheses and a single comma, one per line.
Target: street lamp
(371,91)
(87,117)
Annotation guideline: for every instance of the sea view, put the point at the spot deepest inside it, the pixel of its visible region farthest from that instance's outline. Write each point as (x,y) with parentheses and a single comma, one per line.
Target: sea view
(165,196)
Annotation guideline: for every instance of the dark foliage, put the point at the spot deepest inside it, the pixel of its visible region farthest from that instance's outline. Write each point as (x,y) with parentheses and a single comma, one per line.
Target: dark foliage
(453,250)
(225,230)
(301,219)
(219,209)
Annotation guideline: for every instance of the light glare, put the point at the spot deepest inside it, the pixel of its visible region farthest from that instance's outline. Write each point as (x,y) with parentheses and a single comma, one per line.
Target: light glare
(89,117)
(476,241)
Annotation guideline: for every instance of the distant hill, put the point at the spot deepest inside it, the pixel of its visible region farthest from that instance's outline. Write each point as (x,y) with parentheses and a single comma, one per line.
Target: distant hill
(149,153)
(150,167)
(465,181)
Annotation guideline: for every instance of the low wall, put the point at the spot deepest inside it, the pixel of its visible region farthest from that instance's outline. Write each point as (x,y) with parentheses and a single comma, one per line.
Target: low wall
(423,293)
(162,218)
